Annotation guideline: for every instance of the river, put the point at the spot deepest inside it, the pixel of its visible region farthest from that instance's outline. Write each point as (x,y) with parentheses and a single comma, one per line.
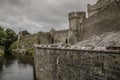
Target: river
(16,68)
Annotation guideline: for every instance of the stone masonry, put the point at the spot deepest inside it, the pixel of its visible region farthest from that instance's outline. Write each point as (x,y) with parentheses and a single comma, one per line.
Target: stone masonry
(104,16)
(71,64)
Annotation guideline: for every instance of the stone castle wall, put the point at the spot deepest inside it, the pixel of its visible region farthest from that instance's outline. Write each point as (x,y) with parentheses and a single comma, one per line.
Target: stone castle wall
(93,9)
(70,64)
(44,38)
(106,20)
(60,36)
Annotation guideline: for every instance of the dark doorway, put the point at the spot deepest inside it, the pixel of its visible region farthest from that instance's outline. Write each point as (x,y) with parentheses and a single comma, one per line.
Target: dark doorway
(66,41)
(39,42)
(52,40)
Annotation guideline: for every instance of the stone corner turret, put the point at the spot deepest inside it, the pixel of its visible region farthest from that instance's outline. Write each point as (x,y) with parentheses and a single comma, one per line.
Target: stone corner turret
(52,30)
(75,18)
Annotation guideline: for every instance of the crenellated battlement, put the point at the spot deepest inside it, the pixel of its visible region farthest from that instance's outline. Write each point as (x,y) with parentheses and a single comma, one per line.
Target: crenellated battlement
(76,15)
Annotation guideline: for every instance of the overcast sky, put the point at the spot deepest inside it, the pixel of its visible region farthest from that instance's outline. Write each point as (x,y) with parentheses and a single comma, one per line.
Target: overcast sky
(39,15)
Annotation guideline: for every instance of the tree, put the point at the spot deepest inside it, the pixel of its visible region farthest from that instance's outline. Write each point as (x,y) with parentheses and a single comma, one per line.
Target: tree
(10,38)
(2,36)
(25,32)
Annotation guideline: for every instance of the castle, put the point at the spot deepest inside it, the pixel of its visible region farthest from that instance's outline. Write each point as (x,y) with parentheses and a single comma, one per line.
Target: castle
(67,63)
(104,16)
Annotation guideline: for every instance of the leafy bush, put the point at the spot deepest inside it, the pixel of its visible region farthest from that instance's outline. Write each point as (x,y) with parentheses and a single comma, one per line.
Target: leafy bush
(2,36)
(29,52)
(11,37)
(1,53)
(13,46)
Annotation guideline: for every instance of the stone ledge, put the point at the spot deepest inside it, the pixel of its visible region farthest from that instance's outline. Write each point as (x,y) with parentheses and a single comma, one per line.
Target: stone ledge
(81,50)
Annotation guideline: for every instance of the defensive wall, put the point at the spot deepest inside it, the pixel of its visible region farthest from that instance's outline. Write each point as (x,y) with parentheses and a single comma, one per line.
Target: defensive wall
(43,38)
(60,36)
(75,64)
(100,4)
(56,36)
(105,20)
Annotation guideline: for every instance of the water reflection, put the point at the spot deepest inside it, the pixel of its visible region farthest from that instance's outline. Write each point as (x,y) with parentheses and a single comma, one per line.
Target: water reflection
(20,68)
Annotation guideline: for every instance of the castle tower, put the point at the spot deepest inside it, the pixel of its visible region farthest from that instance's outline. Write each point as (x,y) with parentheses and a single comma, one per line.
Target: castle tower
(75,18)
(52,31)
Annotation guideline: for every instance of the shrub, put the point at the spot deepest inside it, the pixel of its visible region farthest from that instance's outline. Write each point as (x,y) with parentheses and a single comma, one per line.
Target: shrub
(13,46)
(1,53)
(29,52)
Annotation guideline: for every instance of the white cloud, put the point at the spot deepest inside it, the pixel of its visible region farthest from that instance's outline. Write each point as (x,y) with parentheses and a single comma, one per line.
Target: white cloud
(39,15)
(21,22)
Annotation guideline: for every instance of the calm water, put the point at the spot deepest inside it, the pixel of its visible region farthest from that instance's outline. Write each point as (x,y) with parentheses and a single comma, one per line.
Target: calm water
(16,69)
